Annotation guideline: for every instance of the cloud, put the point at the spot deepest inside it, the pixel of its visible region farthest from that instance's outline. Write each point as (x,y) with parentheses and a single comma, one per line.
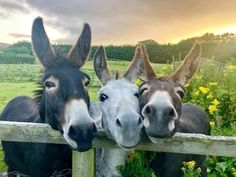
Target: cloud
(13,6)
(18,35)
(130,21)
(3,15)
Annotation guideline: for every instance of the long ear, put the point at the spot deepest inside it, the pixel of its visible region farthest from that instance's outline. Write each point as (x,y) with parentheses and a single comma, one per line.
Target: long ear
(186,70)
(41,43)
(136,68)
(100,65)
(80,51)
(149,73)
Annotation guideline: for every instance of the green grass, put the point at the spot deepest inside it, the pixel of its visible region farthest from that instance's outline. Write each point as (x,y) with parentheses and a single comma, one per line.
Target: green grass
(10,90)
(20,79)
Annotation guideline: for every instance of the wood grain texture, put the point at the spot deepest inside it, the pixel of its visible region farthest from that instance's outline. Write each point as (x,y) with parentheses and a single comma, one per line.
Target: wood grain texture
(179,143)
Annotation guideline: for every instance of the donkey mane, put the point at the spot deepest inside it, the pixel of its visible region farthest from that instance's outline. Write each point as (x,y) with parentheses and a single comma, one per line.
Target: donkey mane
(117,75)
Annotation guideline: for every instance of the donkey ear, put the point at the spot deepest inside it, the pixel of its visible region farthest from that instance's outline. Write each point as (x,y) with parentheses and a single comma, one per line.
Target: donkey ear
(136,68)
(41,44)
(149,72)
(80,51)
(100,65)
(186,70)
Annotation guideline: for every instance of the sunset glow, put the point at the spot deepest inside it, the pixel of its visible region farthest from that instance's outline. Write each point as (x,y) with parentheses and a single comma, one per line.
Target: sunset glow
(165,22)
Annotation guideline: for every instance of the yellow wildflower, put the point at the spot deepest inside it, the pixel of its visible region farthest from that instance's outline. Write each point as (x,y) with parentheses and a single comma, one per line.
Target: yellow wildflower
(204,90)
(138,82)
(231,67)
(186,85)
(215,102)
(196,93)
(209,95)
(212,123)
(191,164)
(198,77)
(213,83)
(212,108)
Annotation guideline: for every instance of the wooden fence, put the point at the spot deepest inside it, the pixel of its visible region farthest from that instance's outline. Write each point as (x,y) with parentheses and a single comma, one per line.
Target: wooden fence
(84,163)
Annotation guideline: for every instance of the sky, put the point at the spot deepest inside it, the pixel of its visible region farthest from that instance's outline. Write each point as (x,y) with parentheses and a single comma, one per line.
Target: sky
(117,21)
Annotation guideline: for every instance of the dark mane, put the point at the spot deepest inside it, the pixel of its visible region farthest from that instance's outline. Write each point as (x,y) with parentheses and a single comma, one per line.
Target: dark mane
(38,93)
(117,75)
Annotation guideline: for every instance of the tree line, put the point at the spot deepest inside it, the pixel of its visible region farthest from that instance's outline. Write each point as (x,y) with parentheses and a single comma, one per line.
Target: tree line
(221,48)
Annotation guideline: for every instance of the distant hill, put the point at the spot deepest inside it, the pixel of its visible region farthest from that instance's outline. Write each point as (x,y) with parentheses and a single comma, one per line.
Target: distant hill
(4,45)
(221,48)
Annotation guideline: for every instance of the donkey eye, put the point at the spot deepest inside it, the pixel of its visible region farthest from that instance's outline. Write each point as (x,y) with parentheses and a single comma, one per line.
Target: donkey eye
(142,90)
(136,95)
(103,97)
(180,93)
(86,82)
(49,84)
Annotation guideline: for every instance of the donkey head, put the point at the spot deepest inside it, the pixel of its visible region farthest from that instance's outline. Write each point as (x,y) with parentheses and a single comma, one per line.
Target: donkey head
(64,99)
(161,98)
(119,100)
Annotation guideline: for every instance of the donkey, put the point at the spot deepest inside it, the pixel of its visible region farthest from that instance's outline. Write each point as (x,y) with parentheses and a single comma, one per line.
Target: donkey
(118,111)
(62,101)
(163,113)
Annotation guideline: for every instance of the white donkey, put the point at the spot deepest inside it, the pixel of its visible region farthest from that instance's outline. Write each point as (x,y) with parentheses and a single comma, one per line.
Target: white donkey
(117,112)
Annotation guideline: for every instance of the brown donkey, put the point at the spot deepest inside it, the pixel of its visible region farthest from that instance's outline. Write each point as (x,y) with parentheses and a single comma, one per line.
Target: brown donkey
(163,113)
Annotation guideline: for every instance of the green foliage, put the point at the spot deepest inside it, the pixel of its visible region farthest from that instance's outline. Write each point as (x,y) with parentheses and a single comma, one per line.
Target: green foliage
(19,73)
(122,52)
(189,169)
(11,58)
(17,53)
(62,49)
(221,166)
(137,165)
(218,47)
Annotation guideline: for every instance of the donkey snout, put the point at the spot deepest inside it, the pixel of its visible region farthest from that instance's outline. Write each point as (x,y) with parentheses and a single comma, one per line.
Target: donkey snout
(129,121)
(83,135)
(128,130)
(81,131)
(159,112)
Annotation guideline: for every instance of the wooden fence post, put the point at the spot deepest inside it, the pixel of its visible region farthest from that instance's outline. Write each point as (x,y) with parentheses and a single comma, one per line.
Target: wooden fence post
(83,163)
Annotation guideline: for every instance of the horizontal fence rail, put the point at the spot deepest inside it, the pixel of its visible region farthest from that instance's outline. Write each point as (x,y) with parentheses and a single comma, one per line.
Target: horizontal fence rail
(179,143)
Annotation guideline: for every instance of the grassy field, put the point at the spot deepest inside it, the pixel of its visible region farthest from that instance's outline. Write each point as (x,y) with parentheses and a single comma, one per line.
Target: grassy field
(212,82)
(17,80)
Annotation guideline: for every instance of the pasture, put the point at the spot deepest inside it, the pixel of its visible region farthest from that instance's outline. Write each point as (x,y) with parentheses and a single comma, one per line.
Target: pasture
(213,87)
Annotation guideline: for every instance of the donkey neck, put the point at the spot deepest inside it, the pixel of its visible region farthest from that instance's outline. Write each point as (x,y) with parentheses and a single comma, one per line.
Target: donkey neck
(108,160)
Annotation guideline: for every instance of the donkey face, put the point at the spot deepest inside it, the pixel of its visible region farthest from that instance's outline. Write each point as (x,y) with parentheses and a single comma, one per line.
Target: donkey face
(119,101)
(160,98)
(64,100)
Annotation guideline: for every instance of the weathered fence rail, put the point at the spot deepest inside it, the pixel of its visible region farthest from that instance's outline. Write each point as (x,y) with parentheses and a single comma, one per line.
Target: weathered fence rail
(180,143)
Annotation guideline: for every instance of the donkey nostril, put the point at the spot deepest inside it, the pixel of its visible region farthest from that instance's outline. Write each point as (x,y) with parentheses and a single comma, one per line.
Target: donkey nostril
(171,112)
(148,110)
(72,131)
(118,123)
(94,128)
